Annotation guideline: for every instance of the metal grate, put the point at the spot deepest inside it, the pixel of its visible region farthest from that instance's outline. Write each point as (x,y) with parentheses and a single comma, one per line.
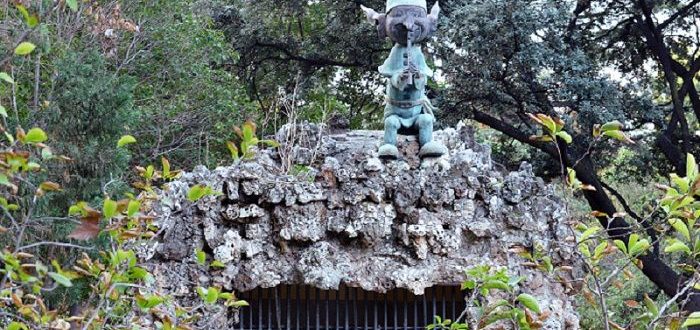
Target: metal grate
(303,307)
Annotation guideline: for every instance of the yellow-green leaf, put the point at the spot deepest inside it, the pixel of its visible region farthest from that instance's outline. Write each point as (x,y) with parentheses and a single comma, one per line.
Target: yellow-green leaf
(60,279)
(126,139)
(620,245)
(3,111)
(565,136)
(133,207)
(109,209)
(611,126)
(530,302)
(17,326)
(25,48)
(680,227)
(677,246)
(35,135)
(6,77)
(691,167)
(72,4)
(693,319)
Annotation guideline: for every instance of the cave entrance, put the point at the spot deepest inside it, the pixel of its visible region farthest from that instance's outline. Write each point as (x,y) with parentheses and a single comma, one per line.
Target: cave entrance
(304,307)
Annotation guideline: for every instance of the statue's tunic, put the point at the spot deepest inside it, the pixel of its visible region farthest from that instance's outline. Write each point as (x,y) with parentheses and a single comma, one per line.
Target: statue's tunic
(404,100)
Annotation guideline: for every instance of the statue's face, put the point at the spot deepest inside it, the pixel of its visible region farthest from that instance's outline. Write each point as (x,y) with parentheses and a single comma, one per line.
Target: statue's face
(401,19)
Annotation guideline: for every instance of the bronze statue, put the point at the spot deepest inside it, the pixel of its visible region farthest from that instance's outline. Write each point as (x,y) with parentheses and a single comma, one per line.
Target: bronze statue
(408,110)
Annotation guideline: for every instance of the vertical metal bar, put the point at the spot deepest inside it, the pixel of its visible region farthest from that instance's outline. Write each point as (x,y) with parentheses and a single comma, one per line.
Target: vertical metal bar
(346,308)
(337,303)
(405,309)
(355,317)
(415,312)
(278,312)
(365,303)
(297,300)
(252,310)
(318,308)
(395,310)
(427,319)
(241,316)
(307,306)
(445,294)
(434,299)
(454,299)
(375,306)
(328,293)
(270,312)
(260,308)
(288,306)
(386,306)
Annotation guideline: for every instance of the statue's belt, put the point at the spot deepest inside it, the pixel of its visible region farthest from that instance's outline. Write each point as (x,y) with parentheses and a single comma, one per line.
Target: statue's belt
(406,104)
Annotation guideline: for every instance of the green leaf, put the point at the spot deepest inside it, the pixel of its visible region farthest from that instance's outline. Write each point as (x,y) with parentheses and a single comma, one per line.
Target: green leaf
(17,326)
(651,305)
(35,135)
(618,135)
(218,264)
(600,249)
(677,246)
(201,257)
(565,136)
(530,302)
(680,227)
(585,250)
(166,167)
(620,245)
(612,126)
(233,150)
(4,180)
(25,48)
(6,77)
(270,143)
(496,284)
(126,139)
(60,279)
(240,303)
(31,20)
(681,183)
(693,319)
(639,247)
(588,233)
(109,209)
(197,192)
(133,208)
(468,285)
(212,295)
(3,111)
(691,167)
(72,4)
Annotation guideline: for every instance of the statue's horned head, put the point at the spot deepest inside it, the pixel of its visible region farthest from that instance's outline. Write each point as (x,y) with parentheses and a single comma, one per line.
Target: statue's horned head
(403,16)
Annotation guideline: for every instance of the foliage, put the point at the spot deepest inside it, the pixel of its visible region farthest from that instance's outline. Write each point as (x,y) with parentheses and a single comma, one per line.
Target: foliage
(493,297)
(679,209)
(247,141)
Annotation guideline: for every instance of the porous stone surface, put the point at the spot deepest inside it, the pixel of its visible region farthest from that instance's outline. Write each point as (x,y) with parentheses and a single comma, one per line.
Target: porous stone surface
(323,210)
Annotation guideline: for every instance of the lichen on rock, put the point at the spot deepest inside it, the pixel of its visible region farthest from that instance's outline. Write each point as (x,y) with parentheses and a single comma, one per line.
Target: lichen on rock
(355,220)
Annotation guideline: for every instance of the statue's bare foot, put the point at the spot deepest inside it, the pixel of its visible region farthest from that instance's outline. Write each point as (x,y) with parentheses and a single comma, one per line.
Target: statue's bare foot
(388,151)
(432,149)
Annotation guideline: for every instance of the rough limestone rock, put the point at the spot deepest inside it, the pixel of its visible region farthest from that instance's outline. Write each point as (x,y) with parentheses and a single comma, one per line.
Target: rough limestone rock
(323,210)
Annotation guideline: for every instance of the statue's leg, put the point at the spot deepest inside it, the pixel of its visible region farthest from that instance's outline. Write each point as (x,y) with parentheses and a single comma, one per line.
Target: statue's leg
(425,128)
(429,148)
(391,130)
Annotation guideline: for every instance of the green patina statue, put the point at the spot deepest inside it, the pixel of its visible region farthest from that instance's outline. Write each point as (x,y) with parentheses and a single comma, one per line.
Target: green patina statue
(408,110)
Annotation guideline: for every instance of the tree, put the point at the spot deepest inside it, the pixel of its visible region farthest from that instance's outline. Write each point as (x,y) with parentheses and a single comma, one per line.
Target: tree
(506,59)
